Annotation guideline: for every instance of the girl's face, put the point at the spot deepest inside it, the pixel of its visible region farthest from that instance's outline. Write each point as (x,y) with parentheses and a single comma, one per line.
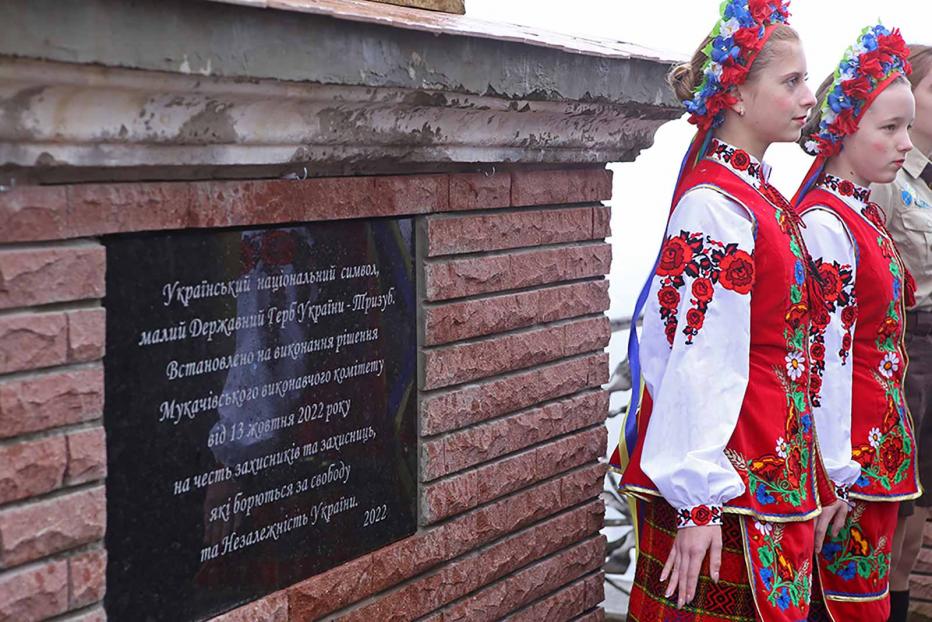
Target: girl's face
(777,100)
(878,149)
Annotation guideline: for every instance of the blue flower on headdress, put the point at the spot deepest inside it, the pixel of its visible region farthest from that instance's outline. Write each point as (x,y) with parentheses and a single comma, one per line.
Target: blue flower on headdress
(738,11)
(722,49)
(838,100)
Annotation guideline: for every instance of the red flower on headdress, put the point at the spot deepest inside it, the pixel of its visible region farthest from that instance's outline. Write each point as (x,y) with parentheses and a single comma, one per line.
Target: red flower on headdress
(856,88)
(747,38)
(845,123)
(760,10)
(870,64)
(734,74)
(893,44)
(826,147)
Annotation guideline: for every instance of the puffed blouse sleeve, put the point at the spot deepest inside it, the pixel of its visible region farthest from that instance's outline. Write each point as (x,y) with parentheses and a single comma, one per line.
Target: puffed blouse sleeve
(695,353)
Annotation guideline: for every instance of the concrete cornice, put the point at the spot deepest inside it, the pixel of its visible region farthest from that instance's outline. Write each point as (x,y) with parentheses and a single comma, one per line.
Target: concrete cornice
(58,116)
(362,98)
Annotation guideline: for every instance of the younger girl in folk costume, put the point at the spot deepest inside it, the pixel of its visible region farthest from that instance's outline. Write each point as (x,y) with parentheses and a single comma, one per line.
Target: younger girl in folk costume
(865,432)
(722,451)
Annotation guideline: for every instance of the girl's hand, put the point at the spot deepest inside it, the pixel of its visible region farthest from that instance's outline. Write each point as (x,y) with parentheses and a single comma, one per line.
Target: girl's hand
(686,557)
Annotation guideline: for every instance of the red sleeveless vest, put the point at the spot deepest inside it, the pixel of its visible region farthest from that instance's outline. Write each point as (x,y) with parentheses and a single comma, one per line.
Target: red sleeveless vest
(882,436)
(785,483)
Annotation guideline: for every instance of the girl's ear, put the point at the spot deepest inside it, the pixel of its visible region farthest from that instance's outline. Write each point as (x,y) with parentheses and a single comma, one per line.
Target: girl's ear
(738,107)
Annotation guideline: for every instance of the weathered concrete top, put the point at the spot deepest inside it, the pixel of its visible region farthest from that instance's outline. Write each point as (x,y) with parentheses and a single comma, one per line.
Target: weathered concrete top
(344,84)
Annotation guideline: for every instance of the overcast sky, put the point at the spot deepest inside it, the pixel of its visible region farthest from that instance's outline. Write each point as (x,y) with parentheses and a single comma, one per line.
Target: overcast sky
(642,189)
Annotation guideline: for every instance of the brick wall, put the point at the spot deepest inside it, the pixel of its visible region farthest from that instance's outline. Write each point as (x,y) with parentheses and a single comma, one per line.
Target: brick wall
(511,412)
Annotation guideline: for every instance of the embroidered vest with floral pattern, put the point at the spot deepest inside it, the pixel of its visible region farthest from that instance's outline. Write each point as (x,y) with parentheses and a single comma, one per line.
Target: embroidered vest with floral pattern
(882,436)
(772,447)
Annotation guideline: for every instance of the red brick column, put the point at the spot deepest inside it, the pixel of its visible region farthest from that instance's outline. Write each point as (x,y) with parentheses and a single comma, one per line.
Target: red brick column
(511,411)
(52,457)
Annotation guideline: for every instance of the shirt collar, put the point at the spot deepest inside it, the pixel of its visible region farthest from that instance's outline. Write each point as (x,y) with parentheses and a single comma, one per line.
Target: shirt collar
(851,193)
(739,161)
(916,161)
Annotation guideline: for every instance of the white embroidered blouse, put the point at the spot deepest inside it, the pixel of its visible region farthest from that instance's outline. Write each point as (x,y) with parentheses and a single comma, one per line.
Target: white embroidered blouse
(835,255)
(684,455)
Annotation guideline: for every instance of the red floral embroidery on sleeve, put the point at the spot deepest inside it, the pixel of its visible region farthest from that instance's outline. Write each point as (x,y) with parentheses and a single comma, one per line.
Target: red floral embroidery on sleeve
(708,262)
(699,516)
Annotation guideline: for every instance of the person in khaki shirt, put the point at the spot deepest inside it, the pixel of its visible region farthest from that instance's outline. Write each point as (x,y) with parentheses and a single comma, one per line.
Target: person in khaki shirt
(908,206)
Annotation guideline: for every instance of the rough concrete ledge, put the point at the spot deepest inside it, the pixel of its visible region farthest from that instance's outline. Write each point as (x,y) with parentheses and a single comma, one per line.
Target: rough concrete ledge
(63,123)
(107,90)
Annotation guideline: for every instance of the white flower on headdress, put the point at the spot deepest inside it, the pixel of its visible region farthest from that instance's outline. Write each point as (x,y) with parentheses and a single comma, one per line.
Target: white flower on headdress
(714,69)
(811,147)
(795,365)
(828,116)
(874,437)
(730,27)
(889,365)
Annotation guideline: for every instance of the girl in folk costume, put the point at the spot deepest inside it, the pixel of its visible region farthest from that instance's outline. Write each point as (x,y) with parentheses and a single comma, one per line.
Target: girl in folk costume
(865,433)
(721,436)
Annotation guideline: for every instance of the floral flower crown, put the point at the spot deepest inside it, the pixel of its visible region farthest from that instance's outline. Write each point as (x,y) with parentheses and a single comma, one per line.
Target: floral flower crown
(866,69)
(735,42)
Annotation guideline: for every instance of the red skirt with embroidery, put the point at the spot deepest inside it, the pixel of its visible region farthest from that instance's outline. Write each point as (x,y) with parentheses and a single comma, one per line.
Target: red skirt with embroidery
(780,557)
(854,567)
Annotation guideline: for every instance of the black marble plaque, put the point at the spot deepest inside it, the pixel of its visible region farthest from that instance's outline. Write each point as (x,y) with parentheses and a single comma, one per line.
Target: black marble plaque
(260,409)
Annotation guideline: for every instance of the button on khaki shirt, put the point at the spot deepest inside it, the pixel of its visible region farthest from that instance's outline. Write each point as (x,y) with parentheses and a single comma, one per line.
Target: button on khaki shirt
(908,204)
